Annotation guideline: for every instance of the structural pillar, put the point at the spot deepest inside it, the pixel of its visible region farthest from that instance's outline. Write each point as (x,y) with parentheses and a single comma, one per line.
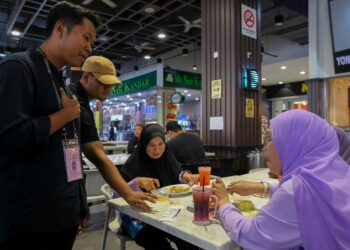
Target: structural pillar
(226,52)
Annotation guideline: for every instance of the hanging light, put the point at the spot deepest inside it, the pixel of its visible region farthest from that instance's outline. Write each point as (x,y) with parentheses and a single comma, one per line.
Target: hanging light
(195,67)
(185,52)
(279,20)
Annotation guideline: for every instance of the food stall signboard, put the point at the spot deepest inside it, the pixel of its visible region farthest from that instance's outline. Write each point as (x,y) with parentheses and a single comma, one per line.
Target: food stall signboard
(182,79)
(136,84)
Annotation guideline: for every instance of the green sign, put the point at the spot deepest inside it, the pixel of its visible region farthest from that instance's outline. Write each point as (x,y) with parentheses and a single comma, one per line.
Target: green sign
(135,84)
(182,79)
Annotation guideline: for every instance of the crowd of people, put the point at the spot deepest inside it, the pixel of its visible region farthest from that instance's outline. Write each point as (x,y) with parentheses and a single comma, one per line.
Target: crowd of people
(43,135)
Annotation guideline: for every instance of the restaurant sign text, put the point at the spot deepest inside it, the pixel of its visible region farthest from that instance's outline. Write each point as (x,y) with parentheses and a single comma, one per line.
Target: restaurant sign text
(182,79)
(136,84)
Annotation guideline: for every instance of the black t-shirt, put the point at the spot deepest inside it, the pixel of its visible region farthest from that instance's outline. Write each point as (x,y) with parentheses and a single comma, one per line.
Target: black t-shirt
(88,129)
(188,148)
(35,195)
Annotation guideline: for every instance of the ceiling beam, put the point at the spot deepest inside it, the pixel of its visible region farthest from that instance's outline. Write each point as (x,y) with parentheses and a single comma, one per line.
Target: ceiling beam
(14,15)
(34,17)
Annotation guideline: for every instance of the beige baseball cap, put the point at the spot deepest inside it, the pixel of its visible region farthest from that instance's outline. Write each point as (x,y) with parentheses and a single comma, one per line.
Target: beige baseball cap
(102,68)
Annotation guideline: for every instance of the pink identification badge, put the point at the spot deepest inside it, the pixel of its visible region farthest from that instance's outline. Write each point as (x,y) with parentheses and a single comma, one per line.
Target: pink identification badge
(71,151)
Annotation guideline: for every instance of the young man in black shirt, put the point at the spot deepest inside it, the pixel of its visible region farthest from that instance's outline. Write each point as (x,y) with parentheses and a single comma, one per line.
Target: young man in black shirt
(188,148)
(43,199)
(97,80)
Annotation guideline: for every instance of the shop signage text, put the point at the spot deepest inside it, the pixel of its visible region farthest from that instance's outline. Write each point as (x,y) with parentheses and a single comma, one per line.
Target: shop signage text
(136,84)
(285,90)
(182,79)
(342,61)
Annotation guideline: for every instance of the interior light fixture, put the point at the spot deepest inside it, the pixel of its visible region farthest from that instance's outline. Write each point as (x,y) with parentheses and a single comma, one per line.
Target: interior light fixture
(283,67)
(263,79)
(302,72)
(280,82)
(185,91)
(279,19)
(195,67)
(147,57)
(139,94)
(149,10)
(162,35)
(197,98)
(15,33)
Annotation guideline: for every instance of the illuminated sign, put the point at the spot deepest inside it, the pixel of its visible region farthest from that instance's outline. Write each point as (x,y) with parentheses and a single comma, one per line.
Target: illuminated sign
(250,79)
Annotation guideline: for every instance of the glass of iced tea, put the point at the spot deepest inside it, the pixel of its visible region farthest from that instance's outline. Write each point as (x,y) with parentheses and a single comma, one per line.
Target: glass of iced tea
(201,199)
(204,175)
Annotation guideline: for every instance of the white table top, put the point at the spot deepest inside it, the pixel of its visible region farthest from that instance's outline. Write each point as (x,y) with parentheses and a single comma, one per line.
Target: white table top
(211,237)
(115,147)
(118,159)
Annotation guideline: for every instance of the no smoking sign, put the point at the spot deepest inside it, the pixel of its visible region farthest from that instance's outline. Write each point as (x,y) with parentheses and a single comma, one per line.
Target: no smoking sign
(248,21)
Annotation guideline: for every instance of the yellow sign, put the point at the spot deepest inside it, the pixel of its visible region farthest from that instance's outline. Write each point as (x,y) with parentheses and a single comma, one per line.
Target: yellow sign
(249,108)
(304,87)
(216,89)
(97,120)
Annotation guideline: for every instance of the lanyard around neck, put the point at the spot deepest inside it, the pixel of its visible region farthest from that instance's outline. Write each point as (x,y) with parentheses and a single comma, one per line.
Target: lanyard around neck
(48,68)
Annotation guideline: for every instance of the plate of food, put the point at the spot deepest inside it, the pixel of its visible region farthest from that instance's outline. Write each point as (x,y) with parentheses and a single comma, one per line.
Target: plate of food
(176,190)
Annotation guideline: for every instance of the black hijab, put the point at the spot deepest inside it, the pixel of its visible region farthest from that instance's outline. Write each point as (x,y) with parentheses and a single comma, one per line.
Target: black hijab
(166,169)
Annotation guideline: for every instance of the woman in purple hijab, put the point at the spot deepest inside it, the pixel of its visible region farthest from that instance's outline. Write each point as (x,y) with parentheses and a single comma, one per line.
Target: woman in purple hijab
(310,207)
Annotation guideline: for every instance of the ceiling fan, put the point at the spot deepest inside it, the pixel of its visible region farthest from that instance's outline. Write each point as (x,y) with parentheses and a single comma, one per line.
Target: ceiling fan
(187,24)
(267,53)
(110,3)
(139,46)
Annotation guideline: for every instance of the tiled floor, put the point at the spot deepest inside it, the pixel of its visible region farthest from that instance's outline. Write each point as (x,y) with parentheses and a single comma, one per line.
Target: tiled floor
(91,239)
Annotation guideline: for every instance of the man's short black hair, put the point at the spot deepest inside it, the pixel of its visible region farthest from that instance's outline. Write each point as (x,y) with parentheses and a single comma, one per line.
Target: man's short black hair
(70,15)
(173,126)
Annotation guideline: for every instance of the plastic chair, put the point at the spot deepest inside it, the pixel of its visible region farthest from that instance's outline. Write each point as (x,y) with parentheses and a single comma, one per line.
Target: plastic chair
(93,180)
(114,224)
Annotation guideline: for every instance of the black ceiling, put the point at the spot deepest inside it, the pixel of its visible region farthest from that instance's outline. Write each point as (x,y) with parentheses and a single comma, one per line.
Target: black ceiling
(127,27)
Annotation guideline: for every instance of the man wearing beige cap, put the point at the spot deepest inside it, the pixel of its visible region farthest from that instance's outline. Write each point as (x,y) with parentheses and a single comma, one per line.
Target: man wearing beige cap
(97,80)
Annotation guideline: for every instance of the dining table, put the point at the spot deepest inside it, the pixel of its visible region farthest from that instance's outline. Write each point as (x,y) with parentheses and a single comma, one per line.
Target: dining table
(211,236)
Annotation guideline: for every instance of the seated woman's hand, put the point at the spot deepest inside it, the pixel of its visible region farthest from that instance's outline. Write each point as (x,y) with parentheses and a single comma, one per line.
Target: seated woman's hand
(148,184)
(245,187)
(189,178)
(219,190)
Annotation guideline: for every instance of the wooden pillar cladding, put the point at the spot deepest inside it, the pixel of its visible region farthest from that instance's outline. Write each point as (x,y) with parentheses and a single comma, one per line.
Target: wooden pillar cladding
(221,32)
(315,97)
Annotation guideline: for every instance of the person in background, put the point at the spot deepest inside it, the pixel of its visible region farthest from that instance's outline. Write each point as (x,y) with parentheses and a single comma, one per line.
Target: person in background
(43,199)
(97,79)
(135,141)
(111,132)
(309,208)
(187,148)
(150,167)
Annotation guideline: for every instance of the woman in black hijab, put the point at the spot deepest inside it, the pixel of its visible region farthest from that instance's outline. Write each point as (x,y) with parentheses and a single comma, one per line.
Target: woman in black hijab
(152,166)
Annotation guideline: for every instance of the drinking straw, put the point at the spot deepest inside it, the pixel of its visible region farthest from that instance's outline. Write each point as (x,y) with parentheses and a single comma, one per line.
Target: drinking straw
(203,183)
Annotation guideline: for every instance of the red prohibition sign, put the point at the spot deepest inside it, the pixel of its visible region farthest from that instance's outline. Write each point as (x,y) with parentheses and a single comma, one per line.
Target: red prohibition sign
(249,18)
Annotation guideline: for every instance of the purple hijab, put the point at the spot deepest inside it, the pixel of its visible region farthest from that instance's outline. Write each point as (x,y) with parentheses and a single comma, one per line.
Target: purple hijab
(308,149)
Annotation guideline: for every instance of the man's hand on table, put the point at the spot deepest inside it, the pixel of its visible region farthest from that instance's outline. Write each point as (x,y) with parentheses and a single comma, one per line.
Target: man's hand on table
(137,200)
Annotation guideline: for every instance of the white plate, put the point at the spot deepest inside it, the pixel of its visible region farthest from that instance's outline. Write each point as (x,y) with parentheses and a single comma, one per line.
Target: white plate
(166,190)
